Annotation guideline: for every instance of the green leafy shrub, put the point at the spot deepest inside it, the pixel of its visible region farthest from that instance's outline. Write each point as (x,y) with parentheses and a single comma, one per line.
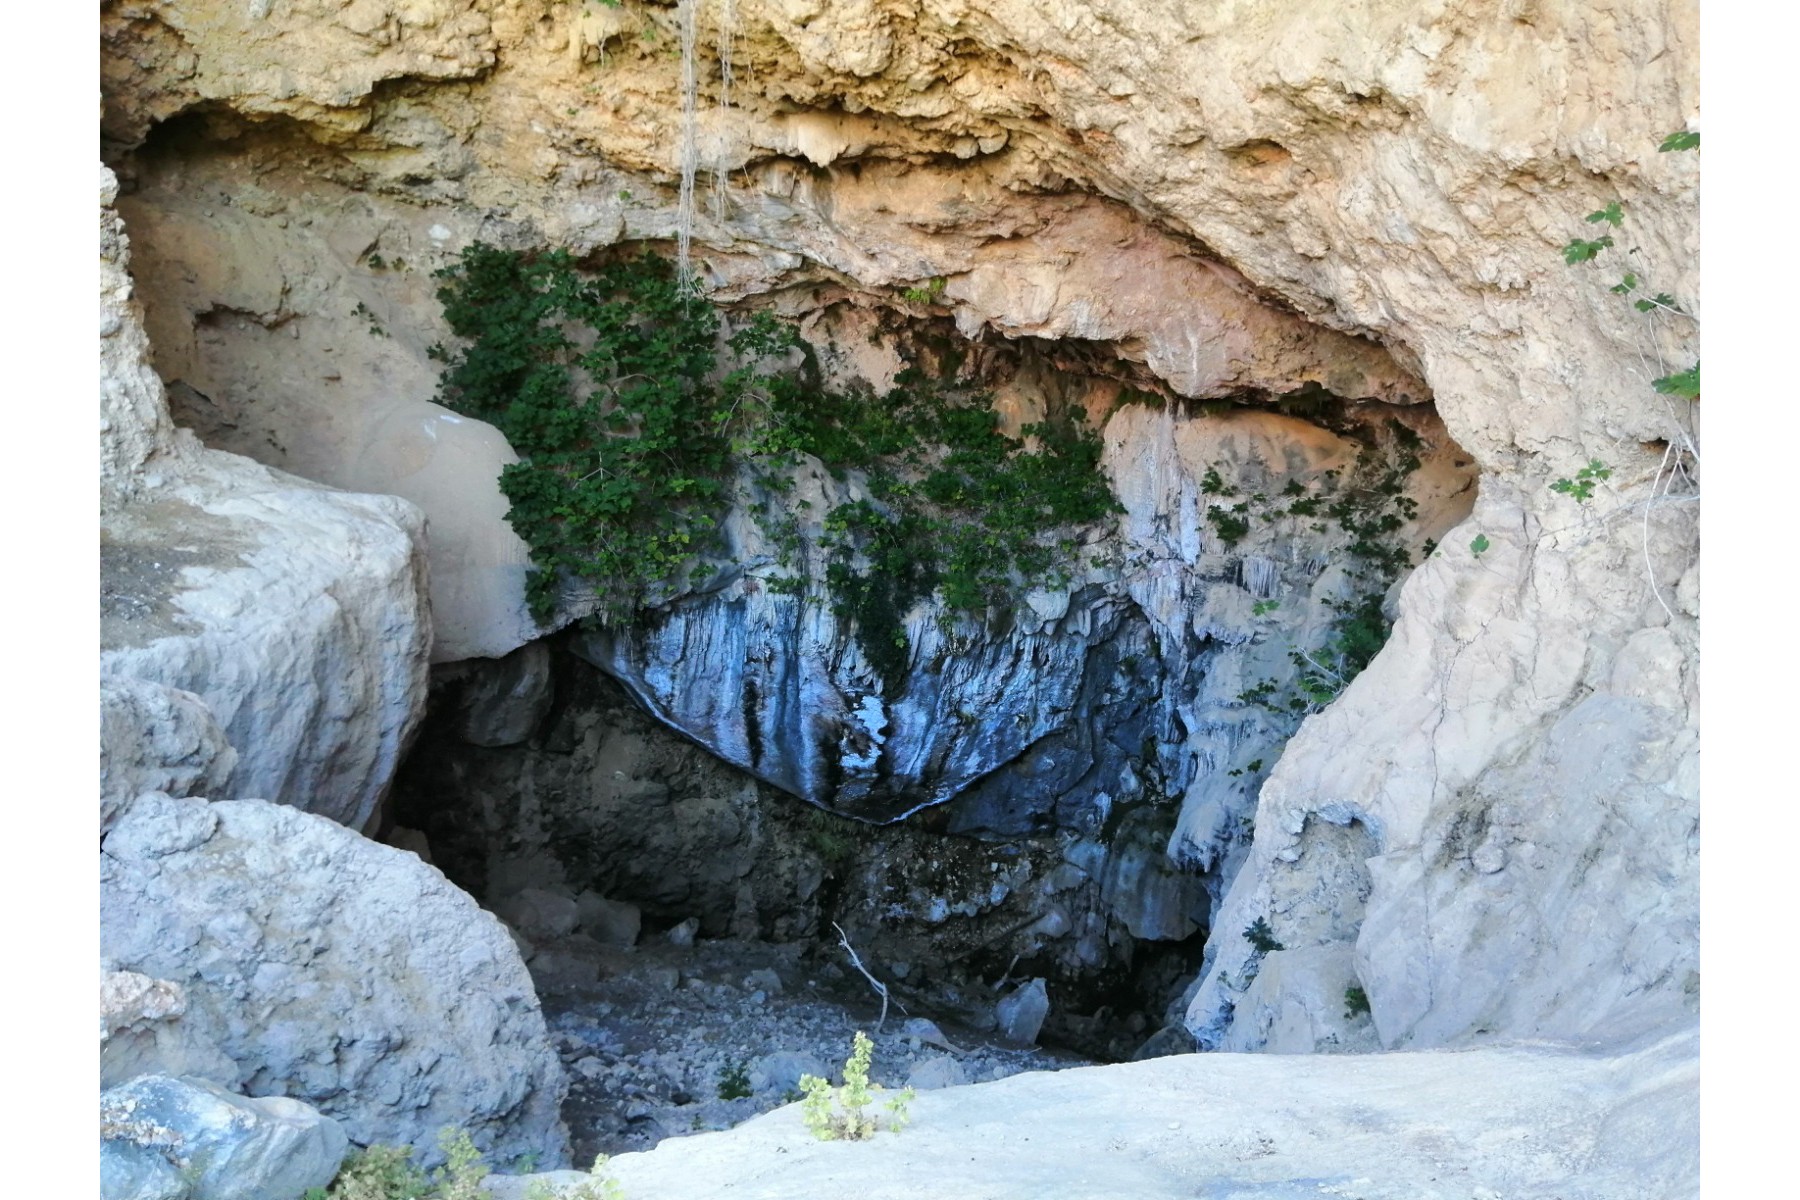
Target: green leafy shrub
(1356,1001)
(1581,488)
(388,1173)
(1261,937)
(632,432)
(734,1081)
(834,1114)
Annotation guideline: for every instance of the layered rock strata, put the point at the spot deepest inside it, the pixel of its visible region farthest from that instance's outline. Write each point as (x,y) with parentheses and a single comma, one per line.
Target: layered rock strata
(1410,174)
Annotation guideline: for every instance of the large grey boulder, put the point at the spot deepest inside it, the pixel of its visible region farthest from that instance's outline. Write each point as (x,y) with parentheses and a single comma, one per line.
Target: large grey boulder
(336,970)
(188,1139)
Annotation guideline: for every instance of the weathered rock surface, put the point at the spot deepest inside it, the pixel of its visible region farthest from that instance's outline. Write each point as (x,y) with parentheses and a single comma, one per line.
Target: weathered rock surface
(334,970)
(1410,175)
(296,614)
(1020,1014)
(155,738)
(142,1032)
(1121,688)
(187,1139)
(1405,1126)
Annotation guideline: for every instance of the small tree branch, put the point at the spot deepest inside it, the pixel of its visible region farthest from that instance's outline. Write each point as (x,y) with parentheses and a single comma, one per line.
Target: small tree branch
(880,987)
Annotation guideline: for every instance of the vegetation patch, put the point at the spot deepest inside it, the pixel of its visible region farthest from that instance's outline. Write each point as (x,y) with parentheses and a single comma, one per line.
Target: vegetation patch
(637,417)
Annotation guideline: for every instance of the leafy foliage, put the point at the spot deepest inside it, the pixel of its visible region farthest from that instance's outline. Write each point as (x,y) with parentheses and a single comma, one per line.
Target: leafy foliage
(734,1081)
(1479,546)
(623,444)
(1356,1001)
(1680,140)
(388,1173)
(927,293)
(1683,383)
(1581,488)
(631,432)
(1580,251)
(1612,215)
(834,1114)
(1261,937)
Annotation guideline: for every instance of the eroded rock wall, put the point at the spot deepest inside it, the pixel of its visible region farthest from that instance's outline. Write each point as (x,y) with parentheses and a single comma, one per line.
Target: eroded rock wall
(1403,172)
(265,636)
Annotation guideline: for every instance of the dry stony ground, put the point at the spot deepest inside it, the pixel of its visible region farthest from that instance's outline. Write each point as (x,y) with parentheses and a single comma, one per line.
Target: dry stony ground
(670,1038)
(1514,1123)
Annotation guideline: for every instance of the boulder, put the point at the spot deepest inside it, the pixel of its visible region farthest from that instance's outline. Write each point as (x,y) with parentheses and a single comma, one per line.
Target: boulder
(538,913)
(1021,1014)
(938,1071)
(295,613)
(193,1140)
(335,970)
(500,701)
(780,1072)
(614,922)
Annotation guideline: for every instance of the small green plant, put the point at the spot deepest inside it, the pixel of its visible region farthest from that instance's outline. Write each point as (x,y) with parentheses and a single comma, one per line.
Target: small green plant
(1356,1001)
(839,1114)
(1263,608)
(1261,937)
(389,1173)
(734,1081)
(597,1186)
(1581,488)
(928,294)
(1230,524)
(376,263)
(1479,546)
(366,313)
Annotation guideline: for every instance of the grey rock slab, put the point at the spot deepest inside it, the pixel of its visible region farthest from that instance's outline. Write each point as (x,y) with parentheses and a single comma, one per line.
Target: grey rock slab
(939,1071)
(1020,1014)
(781,1071)
(538,913)
(501,701)
(1506,1121)
(222,1146)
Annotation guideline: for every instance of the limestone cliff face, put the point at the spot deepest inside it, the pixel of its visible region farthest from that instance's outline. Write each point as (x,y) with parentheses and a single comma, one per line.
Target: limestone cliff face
(264,638)
(1518,763)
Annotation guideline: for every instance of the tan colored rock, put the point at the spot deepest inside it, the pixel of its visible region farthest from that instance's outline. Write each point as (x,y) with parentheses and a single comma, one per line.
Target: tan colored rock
(1521,756)
(142,1032)
(293,613)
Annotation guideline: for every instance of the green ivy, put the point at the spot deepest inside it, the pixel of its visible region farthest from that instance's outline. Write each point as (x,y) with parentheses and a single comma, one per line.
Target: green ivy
(632,432)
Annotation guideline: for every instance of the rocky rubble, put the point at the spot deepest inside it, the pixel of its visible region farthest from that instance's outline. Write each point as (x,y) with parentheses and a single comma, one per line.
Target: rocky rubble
(662,1041)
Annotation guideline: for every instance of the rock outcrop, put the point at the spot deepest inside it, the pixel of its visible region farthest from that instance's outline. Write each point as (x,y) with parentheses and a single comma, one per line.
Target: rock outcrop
(296,614)
(1479,1123)
(1524,744)
(266,636)
(335,970)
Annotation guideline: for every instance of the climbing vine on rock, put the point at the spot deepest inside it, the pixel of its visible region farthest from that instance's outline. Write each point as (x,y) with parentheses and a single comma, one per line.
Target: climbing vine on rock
(635,419)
